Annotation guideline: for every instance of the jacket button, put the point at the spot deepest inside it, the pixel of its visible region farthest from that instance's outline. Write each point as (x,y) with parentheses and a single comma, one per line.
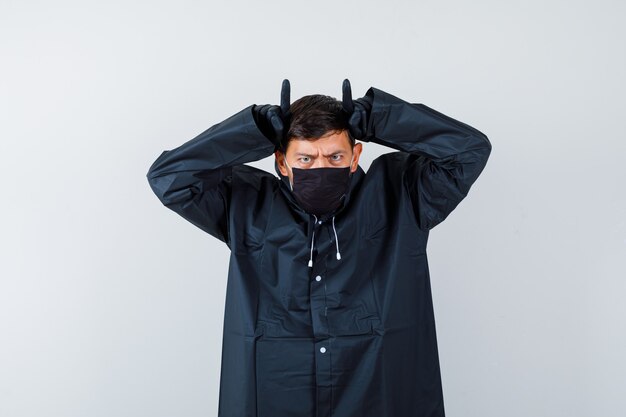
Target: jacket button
(318,278)
(322,349)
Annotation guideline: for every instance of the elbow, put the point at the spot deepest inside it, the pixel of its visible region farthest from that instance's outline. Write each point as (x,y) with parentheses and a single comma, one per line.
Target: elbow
(482,139)
(158,182)
(483,146)
(161,187)
(487,143)
(153,171)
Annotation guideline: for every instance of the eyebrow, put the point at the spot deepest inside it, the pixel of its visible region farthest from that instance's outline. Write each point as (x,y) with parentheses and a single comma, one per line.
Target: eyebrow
(330,154)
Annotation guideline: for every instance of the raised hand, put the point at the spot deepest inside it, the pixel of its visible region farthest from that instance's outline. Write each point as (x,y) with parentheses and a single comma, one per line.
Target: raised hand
(358,111)
(272,119)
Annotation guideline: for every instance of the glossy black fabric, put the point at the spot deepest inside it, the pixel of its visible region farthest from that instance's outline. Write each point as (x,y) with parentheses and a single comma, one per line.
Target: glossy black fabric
(348,337)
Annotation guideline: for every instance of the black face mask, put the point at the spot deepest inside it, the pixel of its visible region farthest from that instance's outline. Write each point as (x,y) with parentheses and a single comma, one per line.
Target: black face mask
(320,190)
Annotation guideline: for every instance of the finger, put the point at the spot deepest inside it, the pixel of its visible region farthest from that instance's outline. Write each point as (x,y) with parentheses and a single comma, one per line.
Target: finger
(348,106)
(277,125)
(355,123)
(263,110)
(275,116)
(285,93)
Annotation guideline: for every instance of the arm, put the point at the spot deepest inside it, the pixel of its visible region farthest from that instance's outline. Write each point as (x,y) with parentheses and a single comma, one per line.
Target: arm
(445,156)
(194,179)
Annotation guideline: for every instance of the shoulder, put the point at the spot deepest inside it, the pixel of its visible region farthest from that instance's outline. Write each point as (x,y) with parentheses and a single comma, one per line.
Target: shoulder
(249,176)
(390,173)
(390,165)
(248,170)
(385,175)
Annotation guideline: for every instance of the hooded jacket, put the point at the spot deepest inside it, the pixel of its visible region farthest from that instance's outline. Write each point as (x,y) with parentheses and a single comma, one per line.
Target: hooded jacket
(333,315)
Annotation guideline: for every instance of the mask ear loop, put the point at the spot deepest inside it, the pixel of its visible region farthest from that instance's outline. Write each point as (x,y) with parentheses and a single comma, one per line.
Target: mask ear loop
(290,183)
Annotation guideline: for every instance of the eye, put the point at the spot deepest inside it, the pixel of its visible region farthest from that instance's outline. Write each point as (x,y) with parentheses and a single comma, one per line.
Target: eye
(304,159)
(336,157)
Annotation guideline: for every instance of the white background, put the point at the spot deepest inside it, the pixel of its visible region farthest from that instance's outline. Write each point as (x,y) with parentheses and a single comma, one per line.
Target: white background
(111,305)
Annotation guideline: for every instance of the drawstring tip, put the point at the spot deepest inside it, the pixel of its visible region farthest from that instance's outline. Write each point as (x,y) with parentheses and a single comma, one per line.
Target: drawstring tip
(310,263)
(338,256)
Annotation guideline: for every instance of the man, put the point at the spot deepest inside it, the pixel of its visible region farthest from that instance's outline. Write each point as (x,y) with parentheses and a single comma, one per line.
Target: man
(328,303)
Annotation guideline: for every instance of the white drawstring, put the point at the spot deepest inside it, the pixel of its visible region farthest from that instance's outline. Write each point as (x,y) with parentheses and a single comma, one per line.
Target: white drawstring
(336,240)
(312,239)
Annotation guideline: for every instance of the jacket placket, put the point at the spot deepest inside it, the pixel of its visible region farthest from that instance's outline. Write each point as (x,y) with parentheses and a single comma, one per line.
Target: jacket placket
(319,319)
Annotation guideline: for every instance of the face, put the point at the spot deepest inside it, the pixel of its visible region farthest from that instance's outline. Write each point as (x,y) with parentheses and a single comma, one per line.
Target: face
(330,150)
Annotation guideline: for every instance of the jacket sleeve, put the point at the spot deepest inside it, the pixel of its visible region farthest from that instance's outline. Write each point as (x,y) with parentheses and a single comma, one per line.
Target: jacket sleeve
(444,158)
(194,179)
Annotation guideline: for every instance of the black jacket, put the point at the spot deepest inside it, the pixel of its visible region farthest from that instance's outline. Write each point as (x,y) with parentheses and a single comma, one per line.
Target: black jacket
(348,337)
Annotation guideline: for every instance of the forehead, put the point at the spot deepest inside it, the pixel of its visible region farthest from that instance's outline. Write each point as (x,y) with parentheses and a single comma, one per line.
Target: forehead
(325,145)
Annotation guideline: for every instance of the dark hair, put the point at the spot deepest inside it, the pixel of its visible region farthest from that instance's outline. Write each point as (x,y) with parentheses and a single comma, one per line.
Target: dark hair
(313,116)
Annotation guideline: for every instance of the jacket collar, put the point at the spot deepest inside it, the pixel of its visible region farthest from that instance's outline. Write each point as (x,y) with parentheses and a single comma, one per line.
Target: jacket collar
(355,182)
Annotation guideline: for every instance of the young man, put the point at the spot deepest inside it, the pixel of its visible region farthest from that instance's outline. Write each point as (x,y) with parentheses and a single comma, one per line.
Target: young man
(328,304)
